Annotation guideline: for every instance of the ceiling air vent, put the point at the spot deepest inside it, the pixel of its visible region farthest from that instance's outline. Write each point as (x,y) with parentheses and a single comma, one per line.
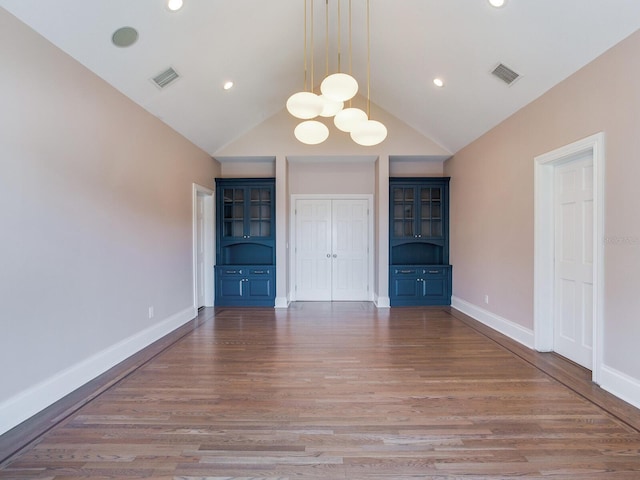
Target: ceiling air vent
(505,74)
(165,78)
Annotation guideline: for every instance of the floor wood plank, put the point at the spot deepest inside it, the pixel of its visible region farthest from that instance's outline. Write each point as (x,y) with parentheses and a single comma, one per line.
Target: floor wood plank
(341,391)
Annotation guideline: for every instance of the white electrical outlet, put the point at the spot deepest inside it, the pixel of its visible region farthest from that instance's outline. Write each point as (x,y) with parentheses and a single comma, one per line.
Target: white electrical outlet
(486,299)
(150,312)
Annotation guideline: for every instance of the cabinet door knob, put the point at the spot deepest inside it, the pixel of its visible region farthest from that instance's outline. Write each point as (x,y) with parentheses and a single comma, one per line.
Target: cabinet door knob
(328,255)
(335,255)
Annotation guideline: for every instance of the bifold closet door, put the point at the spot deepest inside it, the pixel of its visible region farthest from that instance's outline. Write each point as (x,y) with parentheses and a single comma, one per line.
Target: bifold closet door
(332,249)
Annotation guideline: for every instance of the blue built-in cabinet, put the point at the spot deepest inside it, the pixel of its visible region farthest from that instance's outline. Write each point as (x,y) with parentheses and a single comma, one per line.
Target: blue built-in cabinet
(419,270)
(245,242)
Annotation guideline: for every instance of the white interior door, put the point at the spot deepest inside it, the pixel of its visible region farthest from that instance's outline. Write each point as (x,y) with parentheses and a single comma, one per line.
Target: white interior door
(349,269)
(332,249)
(313,249)
(573,284)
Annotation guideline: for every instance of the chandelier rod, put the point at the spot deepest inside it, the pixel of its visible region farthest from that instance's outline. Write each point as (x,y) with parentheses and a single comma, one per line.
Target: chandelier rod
(350,43)
(339,38)
(312,53)
(305,46)
(326,36)
(368,64)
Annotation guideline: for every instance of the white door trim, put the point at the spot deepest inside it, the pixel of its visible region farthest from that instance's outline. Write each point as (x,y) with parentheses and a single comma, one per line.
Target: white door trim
(543,301)
(292,233)
(209,227)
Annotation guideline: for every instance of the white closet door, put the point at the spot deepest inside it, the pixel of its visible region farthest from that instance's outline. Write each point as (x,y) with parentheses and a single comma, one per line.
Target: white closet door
(350,250)
(313,249)
(332,257)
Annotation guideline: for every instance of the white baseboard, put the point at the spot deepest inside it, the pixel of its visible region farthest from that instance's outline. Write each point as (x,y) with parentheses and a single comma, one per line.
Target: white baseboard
(27,403)
(506,327)
(621,385)
(281,302)
(382,302)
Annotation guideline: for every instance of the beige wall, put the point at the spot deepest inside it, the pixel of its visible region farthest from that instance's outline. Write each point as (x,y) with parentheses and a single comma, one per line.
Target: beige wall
(96,222)
(248,168)
(416,168)
(492,201)
(332,176)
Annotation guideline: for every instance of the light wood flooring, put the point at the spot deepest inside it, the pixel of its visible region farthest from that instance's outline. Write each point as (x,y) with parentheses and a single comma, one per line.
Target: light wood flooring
(342,391)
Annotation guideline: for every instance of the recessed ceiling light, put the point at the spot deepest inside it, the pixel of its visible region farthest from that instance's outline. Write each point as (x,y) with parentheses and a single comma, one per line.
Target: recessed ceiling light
(498,3)
(227,85)
(438,82)
(174,5)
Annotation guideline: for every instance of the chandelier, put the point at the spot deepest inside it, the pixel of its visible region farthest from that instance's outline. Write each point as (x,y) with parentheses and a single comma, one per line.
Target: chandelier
(335,90)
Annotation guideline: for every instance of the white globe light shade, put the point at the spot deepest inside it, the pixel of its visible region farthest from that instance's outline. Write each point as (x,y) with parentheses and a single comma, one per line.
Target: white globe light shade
(311,132)
(369,133)
(339,86)
(347,119)
(305,105)
(331,107)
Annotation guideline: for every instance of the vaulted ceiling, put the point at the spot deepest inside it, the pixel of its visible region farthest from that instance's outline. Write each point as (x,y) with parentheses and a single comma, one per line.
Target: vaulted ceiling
(259,45)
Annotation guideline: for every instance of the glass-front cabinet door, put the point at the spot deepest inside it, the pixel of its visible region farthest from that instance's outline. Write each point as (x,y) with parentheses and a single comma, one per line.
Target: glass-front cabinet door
(247,212)
(260,212)
(417,212)
(430,212)
(233,212)
(404,212)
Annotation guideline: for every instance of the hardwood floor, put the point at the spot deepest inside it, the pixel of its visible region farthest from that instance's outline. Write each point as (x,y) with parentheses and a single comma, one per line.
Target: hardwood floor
(342,391)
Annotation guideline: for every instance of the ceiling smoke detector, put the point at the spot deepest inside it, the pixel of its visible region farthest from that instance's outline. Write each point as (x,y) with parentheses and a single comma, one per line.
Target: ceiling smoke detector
(505,74)
(164,79)
(124,37)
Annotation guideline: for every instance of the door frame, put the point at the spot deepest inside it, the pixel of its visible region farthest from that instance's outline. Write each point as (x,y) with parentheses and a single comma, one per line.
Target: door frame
(292,234)
(209,233)
(544,244)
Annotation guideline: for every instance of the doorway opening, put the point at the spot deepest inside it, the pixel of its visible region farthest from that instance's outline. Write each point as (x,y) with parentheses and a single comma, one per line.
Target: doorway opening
(203,239)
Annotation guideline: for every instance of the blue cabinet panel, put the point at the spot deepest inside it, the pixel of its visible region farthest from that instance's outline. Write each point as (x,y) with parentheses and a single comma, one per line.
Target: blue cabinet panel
(406,287)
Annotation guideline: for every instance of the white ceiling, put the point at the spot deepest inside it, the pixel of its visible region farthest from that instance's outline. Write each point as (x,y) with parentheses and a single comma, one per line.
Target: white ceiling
(259,45)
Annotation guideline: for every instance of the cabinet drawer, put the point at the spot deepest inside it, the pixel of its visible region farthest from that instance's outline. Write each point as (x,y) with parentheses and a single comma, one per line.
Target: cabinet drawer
(232,272)
(435,271)
(406,271)
(260,271)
